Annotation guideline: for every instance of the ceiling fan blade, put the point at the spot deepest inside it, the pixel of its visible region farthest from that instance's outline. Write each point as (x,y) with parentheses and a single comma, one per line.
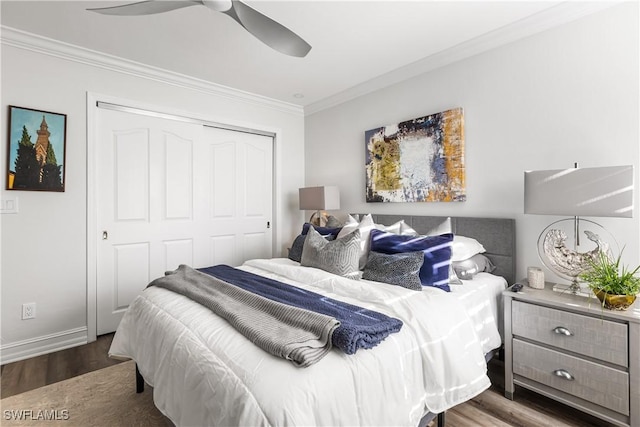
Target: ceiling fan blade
(268,31)
(145,7)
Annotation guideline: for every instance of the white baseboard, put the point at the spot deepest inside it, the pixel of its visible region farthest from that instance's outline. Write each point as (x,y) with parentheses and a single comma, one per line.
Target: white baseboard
(37,346)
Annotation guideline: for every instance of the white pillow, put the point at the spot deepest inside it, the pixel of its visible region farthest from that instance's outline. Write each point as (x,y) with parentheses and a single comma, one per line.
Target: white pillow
(350,226)
(443,228)
(350,222)
(465,248)
(407,230)
(399,227)
(393,228)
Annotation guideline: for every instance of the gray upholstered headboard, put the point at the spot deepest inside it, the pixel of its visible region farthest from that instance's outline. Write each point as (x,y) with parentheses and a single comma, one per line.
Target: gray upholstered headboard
(497,235)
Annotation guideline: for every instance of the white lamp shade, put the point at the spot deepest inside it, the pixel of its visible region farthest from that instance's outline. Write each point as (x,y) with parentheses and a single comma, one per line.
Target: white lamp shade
(319,198)
(601,191)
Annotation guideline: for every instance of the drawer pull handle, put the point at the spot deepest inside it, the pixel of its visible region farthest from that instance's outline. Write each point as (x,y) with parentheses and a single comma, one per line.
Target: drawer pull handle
(561,330)
(563,374)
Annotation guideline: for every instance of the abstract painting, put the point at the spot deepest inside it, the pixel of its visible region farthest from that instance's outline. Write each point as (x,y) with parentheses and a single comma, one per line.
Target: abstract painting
(36,159)
(419,160)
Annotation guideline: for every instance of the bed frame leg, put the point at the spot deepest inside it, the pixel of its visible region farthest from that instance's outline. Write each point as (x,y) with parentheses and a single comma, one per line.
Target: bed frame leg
(140,385)
(441,419)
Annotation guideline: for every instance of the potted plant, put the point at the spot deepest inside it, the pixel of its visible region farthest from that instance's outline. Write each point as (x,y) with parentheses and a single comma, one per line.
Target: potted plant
(614,284)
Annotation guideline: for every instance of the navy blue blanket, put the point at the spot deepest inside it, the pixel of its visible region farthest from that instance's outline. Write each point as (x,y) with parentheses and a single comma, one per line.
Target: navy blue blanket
(359,327)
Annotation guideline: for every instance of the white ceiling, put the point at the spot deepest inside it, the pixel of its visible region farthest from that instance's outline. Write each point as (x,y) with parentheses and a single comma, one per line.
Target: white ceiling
(357,45)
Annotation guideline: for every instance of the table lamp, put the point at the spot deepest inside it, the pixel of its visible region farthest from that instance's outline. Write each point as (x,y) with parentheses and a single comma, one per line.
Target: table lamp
(319,199)
(577,192)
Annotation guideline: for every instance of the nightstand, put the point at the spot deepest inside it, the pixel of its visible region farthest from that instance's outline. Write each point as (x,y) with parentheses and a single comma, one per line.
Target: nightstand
(570,349)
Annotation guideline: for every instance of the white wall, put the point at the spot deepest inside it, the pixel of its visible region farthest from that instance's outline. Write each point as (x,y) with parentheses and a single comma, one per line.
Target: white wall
(44,246)
(567,95)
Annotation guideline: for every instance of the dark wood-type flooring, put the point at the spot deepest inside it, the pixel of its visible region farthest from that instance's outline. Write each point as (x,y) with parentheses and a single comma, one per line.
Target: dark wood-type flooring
(489,409)
(29,374)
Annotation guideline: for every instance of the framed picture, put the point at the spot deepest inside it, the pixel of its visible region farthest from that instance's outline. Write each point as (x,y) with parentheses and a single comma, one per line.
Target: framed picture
(36,153)
(419,160)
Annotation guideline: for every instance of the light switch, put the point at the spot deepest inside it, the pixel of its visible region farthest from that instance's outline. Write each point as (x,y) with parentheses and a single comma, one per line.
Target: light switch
(9,205)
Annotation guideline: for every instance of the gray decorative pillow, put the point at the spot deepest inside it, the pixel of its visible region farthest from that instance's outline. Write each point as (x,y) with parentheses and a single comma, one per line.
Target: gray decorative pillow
(295,253)
(340,256)
(470,267)
(401,269)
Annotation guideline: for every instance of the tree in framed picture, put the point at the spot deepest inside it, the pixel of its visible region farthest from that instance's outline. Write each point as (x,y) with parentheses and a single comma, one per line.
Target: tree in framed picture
(37,142)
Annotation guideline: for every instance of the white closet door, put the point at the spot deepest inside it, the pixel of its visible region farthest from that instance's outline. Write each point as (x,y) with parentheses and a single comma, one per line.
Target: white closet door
(239,213)
(156,199)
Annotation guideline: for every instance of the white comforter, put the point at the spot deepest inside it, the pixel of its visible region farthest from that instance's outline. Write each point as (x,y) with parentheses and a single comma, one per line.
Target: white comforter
(205,373)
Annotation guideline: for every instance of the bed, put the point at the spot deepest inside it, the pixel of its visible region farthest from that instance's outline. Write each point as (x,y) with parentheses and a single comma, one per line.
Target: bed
(205,373)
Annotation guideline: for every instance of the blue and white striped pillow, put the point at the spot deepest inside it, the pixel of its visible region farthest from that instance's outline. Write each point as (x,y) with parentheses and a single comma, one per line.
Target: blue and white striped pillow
(436,250)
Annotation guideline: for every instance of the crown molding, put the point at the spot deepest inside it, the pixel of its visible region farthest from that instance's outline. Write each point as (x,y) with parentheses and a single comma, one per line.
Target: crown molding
(547,19)
(28,41)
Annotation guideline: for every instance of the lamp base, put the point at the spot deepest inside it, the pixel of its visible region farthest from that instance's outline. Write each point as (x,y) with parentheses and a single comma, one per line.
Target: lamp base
(569,263)
(571,289)
(318,219)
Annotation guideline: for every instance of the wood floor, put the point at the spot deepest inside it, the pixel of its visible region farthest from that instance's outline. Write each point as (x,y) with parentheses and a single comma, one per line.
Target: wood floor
(39,371)
(490,409)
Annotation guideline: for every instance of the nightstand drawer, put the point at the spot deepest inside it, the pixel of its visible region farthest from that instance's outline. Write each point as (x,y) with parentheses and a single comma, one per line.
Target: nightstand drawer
(585,335)
(602,385)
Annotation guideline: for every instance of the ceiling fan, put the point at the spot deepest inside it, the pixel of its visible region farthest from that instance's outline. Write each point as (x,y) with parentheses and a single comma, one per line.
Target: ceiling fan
(262,27)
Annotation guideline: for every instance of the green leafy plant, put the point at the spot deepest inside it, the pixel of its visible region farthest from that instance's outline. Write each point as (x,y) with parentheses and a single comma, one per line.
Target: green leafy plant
(609,276)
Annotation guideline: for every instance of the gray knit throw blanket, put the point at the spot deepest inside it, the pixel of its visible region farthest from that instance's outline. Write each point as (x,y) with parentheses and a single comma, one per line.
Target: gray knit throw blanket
(295,334)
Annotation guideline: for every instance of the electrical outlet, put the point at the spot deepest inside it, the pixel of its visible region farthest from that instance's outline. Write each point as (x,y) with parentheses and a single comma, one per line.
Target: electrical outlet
(29,310)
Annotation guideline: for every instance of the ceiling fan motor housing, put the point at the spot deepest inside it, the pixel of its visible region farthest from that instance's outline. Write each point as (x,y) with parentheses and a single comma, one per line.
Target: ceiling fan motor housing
(218,5)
